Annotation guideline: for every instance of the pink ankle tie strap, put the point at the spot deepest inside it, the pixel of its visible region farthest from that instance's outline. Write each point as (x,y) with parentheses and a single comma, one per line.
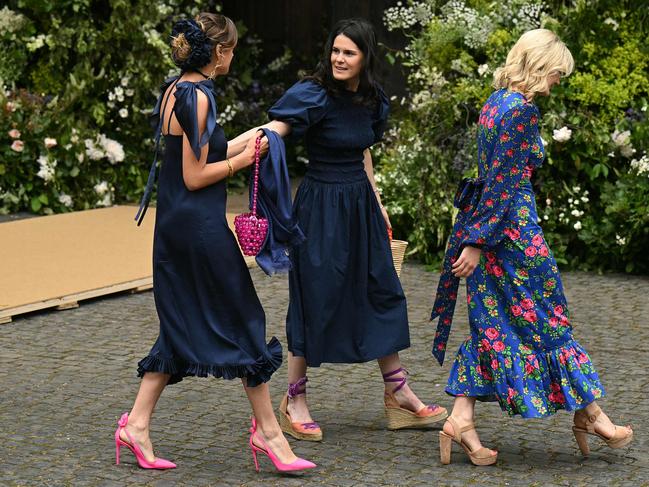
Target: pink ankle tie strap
(387,377)
(297,388)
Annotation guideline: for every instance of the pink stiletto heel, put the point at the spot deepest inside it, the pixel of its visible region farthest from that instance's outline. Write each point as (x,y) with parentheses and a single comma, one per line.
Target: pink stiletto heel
(296,466)
(159,463)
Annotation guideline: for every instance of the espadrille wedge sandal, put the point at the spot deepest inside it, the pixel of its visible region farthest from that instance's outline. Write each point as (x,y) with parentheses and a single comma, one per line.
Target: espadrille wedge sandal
(400,417)
(300,431)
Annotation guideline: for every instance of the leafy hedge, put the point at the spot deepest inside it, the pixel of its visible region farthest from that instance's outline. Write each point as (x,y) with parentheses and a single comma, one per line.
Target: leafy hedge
(79,78)
(593,191)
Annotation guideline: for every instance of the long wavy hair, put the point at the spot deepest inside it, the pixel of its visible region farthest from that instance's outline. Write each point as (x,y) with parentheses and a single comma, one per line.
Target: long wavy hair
(534,56)
(361,32)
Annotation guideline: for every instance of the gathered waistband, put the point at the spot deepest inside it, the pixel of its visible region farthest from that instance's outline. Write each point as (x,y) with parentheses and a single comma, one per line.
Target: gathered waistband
(343,172)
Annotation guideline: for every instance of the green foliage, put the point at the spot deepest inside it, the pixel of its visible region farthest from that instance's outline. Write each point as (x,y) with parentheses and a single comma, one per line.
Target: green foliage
(86,74)
(593,204)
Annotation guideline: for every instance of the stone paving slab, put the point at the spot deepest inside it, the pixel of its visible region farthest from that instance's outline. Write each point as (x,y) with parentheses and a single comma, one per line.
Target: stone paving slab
(66,376)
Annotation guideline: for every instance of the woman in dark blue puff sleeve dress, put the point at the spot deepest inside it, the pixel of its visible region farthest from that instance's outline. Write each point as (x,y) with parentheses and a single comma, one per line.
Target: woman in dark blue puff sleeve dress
(211,321)
(346,301)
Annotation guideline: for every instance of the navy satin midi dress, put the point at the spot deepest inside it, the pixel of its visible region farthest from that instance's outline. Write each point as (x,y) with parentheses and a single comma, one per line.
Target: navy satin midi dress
(346,303)
(211,320)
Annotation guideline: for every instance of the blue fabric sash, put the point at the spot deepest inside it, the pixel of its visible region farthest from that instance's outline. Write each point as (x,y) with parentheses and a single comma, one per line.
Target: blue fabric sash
(466,200)
(274,203)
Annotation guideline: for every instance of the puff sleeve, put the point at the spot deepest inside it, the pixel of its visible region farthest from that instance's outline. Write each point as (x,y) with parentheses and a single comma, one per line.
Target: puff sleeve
(186,112)
(303,105)
(380,118)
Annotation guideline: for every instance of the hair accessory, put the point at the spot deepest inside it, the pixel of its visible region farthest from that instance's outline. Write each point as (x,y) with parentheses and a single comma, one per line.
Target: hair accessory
(201,47)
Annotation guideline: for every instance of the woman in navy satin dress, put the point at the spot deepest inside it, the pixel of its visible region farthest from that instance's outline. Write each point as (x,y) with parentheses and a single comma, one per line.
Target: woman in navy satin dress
(211,320)
(346,301)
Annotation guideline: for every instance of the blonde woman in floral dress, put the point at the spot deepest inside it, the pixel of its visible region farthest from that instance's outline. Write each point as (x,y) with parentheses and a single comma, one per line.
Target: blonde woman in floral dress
(521,351)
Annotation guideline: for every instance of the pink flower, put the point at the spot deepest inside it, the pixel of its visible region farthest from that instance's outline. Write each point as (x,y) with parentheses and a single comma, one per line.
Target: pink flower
(490,124)
(10,106)
(564,321)
(530,316)
(527,303)
(558,310)
(485,344)
(499,346)
(49,142)
(494,364)
(583,358)
(530,251)
(14,133)
(492,333)
(491,257)
(18,146)
(516,310)
(543,251)
(498,271)
(529,368)
(537,240)
(555,387)
(554,322)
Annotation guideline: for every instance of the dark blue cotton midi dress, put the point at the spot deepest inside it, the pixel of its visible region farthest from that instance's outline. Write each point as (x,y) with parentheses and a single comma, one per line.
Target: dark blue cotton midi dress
(346,303)
(211,320)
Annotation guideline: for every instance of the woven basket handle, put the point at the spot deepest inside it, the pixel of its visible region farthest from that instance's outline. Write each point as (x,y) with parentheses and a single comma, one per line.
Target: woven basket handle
(256,176)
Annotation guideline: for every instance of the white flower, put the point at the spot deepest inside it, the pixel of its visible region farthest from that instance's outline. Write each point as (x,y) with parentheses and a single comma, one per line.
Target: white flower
(620,240)
(612,22)
(548,201)
(14,133)
(101,188)
(627,150)
(585,199)
(46,170)
(123,112)
(562,135)
(546,217)
(130,92)
(113,149)
(18,146)
(124,81)
(576,189)
(575,213)
(483,69)
(641,165)
(577,226)
(92,151)
(621,139)
(80,157)
(107,200)
(65,200)
(49,142)
(119,91)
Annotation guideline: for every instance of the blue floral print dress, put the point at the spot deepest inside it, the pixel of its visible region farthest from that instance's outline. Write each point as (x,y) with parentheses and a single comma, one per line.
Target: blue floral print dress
(521,351)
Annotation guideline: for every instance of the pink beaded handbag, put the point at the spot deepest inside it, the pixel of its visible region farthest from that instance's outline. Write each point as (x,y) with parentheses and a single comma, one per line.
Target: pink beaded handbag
(251,229)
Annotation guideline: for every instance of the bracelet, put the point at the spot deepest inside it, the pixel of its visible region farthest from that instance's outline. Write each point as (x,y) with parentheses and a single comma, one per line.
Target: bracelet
(376,190)
(230,169)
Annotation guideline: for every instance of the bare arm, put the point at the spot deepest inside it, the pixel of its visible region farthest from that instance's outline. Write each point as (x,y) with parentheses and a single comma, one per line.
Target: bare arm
(238,144)
(197,174)
(369,170)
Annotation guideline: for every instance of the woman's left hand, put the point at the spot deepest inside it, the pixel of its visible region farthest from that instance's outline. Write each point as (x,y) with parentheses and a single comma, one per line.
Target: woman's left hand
(384,212)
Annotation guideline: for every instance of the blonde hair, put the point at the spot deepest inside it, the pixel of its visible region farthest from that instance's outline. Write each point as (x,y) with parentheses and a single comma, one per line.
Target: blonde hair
(535,55)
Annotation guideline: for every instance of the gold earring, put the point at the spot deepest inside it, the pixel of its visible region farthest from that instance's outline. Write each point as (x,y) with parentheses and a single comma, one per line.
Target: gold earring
(213,72)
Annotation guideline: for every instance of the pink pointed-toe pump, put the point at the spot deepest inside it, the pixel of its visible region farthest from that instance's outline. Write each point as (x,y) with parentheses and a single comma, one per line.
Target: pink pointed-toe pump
(159,463)
(296,466)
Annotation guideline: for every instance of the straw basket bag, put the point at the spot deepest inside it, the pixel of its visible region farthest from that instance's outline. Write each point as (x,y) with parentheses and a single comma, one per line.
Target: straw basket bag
(398,251)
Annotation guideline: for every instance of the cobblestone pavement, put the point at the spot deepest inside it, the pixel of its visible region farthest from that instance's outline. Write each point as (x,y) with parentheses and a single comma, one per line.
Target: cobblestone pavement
(66,376)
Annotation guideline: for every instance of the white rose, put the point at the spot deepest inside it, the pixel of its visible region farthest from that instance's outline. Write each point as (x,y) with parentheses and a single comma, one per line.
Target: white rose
(65,200)
(123,112)
(577,226)
(562,135)
(49,142)
(101,188)
(18,146)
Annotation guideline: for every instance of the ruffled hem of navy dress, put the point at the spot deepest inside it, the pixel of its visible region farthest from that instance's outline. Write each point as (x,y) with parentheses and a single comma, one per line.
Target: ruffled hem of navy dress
(255,373)
(561,378)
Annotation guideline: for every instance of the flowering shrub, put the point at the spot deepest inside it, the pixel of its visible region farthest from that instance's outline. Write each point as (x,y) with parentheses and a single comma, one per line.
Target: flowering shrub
(78,82)
(593,190)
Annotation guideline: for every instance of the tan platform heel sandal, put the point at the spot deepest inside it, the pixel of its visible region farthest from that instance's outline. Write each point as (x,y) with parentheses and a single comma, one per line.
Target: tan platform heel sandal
(620,438)
(481,456)
(400,417)
(300,431)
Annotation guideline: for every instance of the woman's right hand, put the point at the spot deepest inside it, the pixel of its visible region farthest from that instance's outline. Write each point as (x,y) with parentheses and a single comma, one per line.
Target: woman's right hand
(249,151)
